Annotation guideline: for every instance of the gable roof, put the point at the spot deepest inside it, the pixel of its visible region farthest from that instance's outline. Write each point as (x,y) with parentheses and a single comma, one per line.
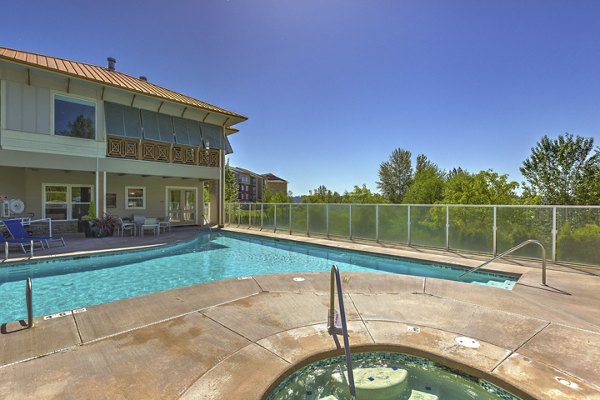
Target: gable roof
(273,178)
(111,78)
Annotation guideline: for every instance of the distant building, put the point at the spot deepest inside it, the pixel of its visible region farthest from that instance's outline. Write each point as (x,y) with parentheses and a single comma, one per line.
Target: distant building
(275,184)
(251,186)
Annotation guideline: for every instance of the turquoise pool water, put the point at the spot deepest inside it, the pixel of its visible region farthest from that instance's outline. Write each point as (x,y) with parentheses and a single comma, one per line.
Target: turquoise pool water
(67,284)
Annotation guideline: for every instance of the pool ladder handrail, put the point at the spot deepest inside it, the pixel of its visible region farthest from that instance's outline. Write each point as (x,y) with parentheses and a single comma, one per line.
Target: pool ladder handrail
(333,319)
(207,223)
(29,301)
(507,252)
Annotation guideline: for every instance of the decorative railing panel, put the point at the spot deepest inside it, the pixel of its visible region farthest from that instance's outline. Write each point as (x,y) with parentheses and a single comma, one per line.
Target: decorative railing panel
(148,150)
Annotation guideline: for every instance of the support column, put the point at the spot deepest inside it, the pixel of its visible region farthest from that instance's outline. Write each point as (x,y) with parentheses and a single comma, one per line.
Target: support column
(100,191)
(221,196)
(213,189)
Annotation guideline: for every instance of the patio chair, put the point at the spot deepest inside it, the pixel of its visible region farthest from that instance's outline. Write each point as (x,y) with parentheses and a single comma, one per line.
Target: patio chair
(150,224)
(123,226)
(164,224)
(18,232)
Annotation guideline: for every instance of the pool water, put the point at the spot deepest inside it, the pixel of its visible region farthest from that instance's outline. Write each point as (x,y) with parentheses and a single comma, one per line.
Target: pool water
(67,284)
(390,376)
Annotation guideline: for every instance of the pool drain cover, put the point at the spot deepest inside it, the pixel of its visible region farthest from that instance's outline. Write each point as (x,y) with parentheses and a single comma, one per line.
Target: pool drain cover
(298,279)
(467,342)
(566,382)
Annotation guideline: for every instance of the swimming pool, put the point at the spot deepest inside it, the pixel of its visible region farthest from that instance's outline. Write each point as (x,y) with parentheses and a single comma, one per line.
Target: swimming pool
(67,284)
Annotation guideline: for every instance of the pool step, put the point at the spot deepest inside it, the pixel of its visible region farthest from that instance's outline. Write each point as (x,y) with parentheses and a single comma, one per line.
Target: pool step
(379,383)
(418,395)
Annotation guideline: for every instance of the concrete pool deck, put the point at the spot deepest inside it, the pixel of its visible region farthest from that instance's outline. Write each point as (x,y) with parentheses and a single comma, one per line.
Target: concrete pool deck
(235,338)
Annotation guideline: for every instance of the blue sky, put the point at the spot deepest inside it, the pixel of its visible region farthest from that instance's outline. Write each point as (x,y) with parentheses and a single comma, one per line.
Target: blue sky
(332,87)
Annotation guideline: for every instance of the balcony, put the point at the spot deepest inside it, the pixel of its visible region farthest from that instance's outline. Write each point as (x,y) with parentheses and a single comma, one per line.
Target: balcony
(149,150)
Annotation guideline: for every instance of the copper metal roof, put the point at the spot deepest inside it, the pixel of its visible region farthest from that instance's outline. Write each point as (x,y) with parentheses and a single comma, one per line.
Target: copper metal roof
(104,76)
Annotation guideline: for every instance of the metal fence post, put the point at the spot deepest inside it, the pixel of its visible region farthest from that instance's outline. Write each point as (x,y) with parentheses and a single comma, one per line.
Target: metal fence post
(327,219)
(262,205)
(447,227)
(307,221)
(409,224)
(275,218)
(249,215)
(350,221)
(377,222)
(290,219)
(494,235)
(239,214)
(554,233)
(229,214)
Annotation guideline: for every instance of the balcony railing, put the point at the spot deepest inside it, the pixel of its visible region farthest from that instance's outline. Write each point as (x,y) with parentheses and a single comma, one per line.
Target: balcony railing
(149,150)
(571,233)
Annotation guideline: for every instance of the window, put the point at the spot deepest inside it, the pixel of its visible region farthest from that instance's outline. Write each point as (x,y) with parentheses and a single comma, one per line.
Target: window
(64,202)
(74,117)
(135,197)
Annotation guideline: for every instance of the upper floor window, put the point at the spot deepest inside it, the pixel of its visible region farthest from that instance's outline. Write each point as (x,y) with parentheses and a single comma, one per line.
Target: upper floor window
(74,117)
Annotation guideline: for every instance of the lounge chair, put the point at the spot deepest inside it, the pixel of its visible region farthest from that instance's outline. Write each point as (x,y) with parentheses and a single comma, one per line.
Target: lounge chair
(21,242)
(18,232)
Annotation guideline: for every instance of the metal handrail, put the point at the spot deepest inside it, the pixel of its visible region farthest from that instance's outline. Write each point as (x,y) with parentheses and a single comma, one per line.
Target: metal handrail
(517,247)
(29,300)
(331,322)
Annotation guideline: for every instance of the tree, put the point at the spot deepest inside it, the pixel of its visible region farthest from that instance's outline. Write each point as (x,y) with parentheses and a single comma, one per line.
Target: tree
(395,175)
(484,187)
(322,195)
(427,186)
(231,185)
(560,170)
(362,195)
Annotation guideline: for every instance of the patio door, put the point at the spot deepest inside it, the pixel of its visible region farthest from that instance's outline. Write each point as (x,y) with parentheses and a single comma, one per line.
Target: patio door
(181,203)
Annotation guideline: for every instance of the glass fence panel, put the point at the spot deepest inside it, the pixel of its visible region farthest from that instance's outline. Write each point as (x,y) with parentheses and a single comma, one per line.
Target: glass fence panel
(339,220)
(298,221)
(518,224)
(393,223)
(283,217)
(428,226)
(363,222)
(244,214)
(235,213)
(254,215)
(317,219)
(227,213)
(471,228)
(268,216)
(578,239)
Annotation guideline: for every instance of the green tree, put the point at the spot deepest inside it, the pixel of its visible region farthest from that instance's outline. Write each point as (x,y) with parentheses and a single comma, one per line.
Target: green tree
(231,185)
(559,170)
(322,195)
(484,187)
(395,175)
(427,186)
(362,195)
(82,127)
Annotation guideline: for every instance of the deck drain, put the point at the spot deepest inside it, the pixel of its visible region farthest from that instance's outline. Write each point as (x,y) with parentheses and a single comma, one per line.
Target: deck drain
(566,382)
(298,279)
(467,342)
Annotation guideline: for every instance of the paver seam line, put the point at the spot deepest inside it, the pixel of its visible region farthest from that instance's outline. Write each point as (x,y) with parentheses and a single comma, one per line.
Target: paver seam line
(483,307)
(361,318)
(223,360)
(64,349)
(530,338)
(164,320)
(77,327)
(258,284)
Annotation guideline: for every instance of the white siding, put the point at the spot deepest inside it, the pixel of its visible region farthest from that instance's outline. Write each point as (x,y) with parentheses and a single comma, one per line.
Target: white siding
(27,108)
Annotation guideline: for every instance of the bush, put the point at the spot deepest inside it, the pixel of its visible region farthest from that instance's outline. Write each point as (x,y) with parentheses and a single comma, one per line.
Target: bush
(581,245)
